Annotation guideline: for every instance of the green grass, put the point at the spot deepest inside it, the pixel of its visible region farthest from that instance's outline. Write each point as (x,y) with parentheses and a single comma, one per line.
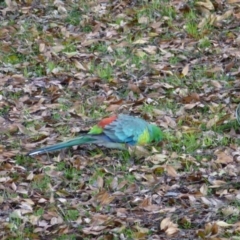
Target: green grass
(98,47)
(71,215)
(67,236)
(72,174)
(14,221)
(63,130)
(103,70)
(204,43)
(4,110)
(42,183)
(74,17)
(39,212)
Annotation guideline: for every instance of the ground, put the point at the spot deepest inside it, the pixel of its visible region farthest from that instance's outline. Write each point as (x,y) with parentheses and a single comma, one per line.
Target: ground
(64,65)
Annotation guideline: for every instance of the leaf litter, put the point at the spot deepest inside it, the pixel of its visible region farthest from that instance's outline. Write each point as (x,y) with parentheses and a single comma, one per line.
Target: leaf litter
(65,65)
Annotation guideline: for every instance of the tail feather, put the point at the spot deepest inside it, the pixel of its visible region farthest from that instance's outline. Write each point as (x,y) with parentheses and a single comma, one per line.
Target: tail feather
(70,143)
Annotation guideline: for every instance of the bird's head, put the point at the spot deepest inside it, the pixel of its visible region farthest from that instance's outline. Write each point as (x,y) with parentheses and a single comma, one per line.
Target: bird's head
(156,133)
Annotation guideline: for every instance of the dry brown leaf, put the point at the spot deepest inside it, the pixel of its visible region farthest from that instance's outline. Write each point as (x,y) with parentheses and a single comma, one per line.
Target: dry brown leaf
(192,98)
(104,198)
(138,151)
(223,157)
(212,122)
(217,183)
(206,4)
(226,15)
(112,108)
(42,47)
(223,224)
(143,19)
(150,49)
(100,182)
(185,70)
(133,87)
(216,84)
(172,230)
(114,183)
(57,49)
(168,226)
(94,230)
(170,122)
(146,202)
(191,105)
(157,158)
(230,210)
(141,41)
(159,112)
(187,129)
(204,189)
(171,171)
(78,65)
(156,24)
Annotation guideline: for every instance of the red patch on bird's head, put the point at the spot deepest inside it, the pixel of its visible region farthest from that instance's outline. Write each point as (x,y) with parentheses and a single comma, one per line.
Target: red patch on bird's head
(106,121)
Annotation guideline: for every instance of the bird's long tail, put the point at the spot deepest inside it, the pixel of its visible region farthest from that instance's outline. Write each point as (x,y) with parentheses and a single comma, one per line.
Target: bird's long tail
(70,143)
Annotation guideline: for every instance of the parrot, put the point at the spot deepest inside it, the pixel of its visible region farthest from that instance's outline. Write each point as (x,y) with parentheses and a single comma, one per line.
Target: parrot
(117,131)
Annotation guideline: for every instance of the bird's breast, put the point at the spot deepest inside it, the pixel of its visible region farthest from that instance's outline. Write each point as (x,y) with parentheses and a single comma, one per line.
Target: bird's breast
(144,137)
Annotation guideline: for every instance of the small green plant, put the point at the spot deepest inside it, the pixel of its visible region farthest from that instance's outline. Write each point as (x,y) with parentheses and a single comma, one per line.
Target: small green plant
(61,166)
(72,173)
(208,142)
(189,142)
(50,66)
(37,71)
(63,130)
(128,233)
(232,219)
(41,182)
(119,20)
(39,212)
(204,43)
(151,9)
(174,60)
(125,156)
(24,160)
(74,17)
(71,215)
(130,178)
(168,11)
(56,115)
(192,29)
(147,108)
(69,47)
(87,28)
(104,71)
(4,110)
(14,222)
(138,60)
(186,225)
(68,237)
(98,47)
(191,25)
(12,58)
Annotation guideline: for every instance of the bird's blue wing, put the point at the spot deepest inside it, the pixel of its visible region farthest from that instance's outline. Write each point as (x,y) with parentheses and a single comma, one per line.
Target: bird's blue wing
(126,129)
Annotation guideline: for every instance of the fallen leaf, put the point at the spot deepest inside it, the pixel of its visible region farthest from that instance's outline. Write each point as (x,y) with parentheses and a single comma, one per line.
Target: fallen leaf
(171,171)
(185,70)
(223,157)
